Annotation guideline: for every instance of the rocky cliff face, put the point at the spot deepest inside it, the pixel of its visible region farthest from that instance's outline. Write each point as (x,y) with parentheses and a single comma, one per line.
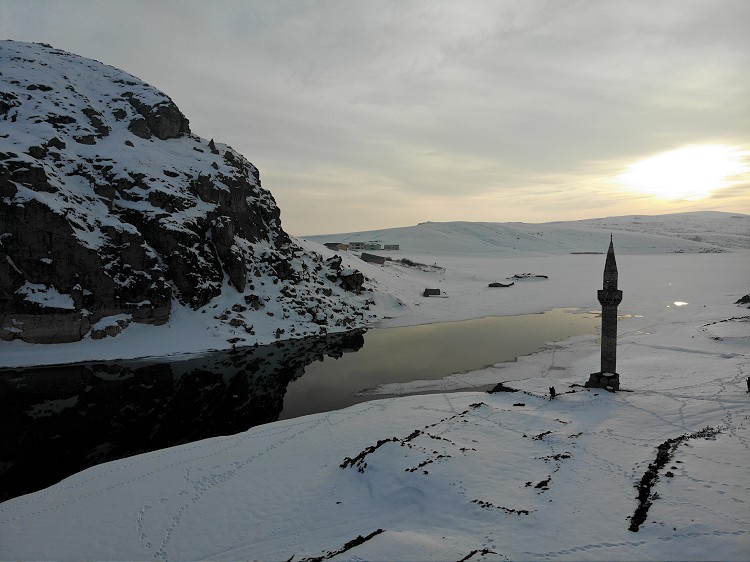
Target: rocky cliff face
(112,212)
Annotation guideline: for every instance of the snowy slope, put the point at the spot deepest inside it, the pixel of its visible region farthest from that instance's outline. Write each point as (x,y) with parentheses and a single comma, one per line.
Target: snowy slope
(642,234)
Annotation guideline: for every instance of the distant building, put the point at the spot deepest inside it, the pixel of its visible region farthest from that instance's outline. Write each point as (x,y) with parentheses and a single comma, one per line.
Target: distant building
(372,258)
(371,245)
(336,245)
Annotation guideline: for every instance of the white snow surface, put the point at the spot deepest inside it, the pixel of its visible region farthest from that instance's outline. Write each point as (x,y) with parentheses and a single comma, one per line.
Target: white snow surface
(706,231)
(466,475)
(45,296)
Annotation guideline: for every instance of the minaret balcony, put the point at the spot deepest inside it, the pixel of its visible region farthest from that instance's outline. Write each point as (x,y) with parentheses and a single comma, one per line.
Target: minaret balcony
(609,297)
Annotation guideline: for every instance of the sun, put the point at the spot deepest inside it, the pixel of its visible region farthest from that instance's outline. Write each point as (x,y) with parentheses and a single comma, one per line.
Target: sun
(690,173)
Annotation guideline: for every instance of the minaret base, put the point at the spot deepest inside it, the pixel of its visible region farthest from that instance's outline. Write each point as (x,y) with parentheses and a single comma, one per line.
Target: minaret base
(607,381)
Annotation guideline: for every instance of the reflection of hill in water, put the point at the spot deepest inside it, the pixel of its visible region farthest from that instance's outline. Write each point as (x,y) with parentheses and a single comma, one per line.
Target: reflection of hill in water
(57,421)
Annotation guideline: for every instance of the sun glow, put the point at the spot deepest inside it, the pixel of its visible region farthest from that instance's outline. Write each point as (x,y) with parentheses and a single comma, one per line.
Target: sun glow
(692,172)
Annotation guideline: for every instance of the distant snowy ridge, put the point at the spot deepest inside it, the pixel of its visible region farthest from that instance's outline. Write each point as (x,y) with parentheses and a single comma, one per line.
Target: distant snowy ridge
(111,208)
(697,232)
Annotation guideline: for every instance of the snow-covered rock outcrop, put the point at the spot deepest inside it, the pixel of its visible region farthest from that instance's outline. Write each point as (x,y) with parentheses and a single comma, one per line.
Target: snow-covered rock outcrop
(112,212)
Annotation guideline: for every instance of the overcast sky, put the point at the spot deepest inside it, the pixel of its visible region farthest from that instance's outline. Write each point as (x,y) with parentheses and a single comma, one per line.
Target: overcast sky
(371,114)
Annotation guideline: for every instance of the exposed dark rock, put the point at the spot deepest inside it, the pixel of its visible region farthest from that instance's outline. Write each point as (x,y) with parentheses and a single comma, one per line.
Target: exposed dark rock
(500,387)
(664,453)
(59,121)
(164,120)
(352,281)
(348,279)
(37,152)
(139,128)
(41,87)
(28,175)
(110,330)
(359,540)
(481,552)
(358,460)
(56,143)
(543,484)
(7,102)
(85,139)
(97,121)
(334,263)
(541,436)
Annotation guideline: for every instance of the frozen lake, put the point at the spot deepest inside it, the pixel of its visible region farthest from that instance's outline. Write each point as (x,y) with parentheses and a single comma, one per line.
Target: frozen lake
(56,421)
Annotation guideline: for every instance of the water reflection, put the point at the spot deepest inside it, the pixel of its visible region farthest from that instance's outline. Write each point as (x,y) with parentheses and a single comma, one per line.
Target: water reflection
(428,352)
(56,421)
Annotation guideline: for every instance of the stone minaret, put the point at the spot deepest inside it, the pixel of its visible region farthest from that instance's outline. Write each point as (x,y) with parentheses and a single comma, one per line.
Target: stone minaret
(609,297)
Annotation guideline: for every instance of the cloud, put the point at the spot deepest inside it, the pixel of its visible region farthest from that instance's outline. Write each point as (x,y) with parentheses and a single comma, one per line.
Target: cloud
(430,100)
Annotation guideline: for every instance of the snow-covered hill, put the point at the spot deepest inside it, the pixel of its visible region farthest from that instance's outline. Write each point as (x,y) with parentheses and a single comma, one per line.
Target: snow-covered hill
(642,234)
(115,218)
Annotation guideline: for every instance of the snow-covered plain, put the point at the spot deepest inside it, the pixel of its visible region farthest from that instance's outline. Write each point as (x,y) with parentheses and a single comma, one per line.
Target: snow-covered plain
(471,475)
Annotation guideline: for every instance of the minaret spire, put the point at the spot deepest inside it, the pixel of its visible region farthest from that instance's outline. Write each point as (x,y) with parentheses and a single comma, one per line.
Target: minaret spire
(610,268)
(609,297)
